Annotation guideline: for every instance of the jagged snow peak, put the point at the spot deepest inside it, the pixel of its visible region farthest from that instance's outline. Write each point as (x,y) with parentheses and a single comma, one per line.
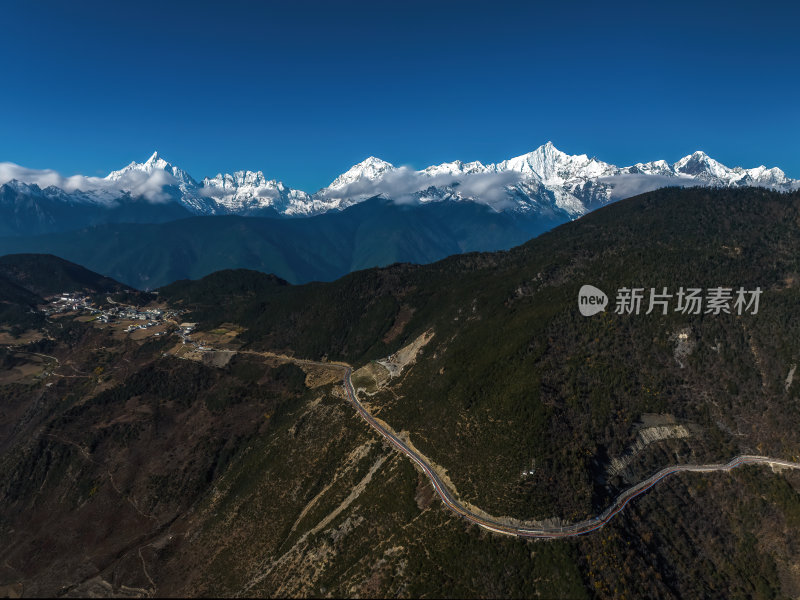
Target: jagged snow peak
(371,169)
(248,192)
(553,167)
(243,192)
(151,183)
(356,184)
(546,180)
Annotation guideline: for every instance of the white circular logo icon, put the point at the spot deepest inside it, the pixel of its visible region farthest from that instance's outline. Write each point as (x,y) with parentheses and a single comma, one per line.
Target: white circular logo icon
(591,300)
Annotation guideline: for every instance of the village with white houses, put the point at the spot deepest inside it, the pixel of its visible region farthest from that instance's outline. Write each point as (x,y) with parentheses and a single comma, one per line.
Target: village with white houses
(155,320)
(127,318)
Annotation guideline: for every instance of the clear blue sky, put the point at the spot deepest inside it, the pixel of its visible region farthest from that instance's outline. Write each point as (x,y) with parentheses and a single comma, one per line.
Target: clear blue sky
(303,90)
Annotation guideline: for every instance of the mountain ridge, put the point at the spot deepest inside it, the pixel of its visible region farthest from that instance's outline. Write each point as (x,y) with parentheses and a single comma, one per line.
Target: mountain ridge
(545,177)
(163,463)
(373,233)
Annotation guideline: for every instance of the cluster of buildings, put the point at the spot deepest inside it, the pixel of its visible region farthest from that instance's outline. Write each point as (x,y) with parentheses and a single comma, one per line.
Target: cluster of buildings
(131,328)
(150,317)
(185,330)
(146,317)
(68,302)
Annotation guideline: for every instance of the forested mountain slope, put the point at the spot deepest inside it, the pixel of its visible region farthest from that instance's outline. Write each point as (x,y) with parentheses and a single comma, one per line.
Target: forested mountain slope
(244,472)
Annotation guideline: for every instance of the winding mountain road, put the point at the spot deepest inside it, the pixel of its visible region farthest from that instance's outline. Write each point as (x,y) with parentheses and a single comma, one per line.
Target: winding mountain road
(492,524)
(567,530)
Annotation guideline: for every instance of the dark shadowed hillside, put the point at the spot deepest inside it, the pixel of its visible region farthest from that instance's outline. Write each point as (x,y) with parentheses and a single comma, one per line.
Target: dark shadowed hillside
(45,274)
(373,233)
(241,471)
(26,278)
(27,210)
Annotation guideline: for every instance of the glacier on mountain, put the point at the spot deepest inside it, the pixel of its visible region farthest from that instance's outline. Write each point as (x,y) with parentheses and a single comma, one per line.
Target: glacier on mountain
(544,181)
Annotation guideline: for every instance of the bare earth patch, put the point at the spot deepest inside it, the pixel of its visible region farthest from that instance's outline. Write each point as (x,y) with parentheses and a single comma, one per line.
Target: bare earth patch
(403,317)
(6,339)
(407,355)
(319,376)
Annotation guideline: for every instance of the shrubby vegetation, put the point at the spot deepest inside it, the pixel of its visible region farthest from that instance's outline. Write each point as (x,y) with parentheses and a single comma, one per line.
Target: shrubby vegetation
(250,461)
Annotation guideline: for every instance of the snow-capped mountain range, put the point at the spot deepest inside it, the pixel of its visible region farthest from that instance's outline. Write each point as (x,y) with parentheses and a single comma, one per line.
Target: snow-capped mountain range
(545,181)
